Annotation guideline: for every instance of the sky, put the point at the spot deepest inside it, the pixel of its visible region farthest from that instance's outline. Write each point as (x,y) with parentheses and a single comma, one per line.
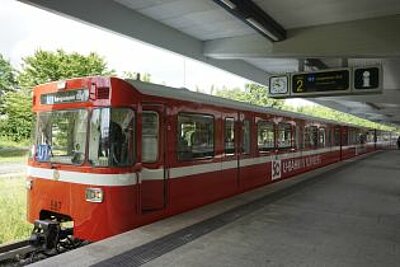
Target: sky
(25,29)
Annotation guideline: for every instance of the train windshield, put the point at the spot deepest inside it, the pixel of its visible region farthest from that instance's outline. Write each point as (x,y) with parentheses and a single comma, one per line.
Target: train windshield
(61,136)
(112,137)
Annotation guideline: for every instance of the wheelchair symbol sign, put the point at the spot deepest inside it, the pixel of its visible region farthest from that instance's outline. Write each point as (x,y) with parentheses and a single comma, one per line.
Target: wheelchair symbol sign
(276,169)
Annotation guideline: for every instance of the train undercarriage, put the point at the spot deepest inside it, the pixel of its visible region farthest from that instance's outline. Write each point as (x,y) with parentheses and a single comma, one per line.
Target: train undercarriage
(49,237)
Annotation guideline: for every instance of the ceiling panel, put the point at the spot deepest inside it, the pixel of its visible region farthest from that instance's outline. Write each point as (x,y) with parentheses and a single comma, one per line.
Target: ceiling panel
(202,19)
(294,14)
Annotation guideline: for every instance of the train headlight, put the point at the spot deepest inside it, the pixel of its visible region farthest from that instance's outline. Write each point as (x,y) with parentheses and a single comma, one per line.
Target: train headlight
(94,195)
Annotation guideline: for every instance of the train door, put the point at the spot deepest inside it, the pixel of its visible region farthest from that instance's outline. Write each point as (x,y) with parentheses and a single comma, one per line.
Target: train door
(244,149)
(230,164)
(154,174)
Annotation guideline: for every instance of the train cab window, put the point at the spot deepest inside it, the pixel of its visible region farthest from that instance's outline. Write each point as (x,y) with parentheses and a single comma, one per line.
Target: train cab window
(112,137)
(61,136)
(229,138)
(246,137)
(285,135)
(150,136)
(266,136)
(311,136)
(195,136)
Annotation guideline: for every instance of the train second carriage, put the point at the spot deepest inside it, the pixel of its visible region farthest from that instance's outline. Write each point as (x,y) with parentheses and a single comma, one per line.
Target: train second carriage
(110,155)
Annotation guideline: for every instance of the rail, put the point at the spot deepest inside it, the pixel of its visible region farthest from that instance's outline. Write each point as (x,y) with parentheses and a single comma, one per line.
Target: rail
(13,252)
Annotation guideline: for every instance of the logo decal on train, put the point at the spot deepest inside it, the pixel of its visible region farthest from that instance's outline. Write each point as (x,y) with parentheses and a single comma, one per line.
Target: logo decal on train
(276,169)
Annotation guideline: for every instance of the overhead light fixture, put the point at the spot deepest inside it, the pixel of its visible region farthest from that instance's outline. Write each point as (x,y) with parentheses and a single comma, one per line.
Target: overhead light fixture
(255,24)
(253,15)
(228,4)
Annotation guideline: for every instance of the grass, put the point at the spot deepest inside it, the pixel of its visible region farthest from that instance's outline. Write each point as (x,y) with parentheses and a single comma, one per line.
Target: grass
(11,151)
(9,143)
(13,224)
(13,156)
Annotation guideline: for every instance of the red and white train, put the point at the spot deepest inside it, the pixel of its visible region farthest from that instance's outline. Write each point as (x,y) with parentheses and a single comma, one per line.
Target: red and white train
(110,155)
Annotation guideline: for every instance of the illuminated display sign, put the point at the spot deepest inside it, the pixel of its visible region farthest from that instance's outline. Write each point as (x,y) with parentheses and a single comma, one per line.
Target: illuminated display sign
(70,96)
(323,82)
(367,79)
(344,81)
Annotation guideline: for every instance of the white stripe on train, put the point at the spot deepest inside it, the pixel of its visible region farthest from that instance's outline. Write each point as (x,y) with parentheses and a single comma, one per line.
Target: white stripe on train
(96,179)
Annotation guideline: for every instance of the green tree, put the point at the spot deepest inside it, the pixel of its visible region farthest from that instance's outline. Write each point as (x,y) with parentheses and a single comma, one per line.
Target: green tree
(7,76)
(43,67)
(253,93)
(47,66)
(234,94)
(17,122)
(257,94)
(8,82)
(144,77)
(334,115)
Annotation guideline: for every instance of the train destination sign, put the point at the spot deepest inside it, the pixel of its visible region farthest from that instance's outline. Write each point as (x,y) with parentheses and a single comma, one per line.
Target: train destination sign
(71,96)
(323,82)
(344,81)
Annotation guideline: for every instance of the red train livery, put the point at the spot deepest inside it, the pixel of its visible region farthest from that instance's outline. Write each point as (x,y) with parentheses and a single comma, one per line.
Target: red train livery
(110,155)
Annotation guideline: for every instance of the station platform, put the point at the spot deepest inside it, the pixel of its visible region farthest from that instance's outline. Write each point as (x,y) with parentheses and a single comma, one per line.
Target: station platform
(346,214)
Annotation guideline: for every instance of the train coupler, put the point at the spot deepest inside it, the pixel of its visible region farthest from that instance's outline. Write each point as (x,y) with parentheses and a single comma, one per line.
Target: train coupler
(45,234)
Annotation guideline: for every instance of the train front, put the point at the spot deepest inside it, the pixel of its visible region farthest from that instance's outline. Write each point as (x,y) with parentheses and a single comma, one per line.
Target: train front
(82,169)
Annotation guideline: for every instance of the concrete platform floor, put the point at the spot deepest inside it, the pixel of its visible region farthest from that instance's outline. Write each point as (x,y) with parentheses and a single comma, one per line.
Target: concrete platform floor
(348,216)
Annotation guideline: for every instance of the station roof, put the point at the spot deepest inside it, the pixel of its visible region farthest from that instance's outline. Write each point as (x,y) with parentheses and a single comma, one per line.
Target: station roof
(257,38)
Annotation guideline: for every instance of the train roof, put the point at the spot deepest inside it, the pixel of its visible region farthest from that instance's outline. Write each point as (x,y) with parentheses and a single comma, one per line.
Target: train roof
(187,95)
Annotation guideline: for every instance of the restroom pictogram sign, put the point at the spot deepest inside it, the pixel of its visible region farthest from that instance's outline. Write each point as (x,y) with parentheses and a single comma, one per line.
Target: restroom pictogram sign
(367,78)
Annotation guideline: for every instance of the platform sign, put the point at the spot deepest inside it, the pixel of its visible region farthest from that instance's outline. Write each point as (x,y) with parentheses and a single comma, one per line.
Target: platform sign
(321,83)
(367,79)
(333,82)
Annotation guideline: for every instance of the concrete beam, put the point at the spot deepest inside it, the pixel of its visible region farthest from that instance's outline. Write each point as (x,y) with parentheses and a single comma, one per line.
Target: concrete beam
(377,37)
(117,18)
(248,46)
(387,97)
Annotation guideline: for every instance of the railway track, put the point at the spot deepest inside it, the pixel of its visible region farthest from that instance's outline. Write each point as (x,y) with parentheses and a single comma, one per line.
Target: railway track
(23,252)
(16,253)
(48,239)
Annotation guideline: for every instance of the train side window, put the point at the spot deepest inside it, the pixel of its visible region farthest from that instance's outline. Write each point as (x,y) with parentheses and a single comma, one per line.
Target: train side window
(298,142)
(345,137)
(229,138)
(336,136)
(285,135)
(150,136)
(311,137)
(352,137)
(246,137)
(328,137)
(266,136)
(322,137)
(195,136)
